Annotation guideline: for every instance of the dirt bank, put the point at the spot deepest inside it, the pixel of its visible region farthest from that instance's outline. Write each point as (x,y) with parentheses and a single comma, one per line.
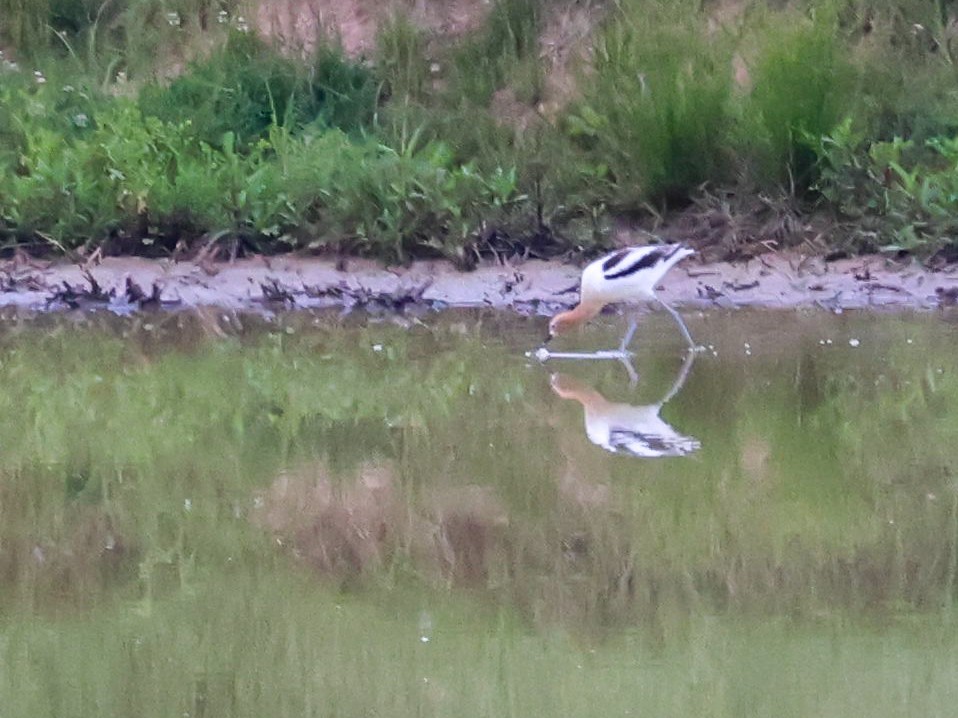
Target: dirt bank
(774,281)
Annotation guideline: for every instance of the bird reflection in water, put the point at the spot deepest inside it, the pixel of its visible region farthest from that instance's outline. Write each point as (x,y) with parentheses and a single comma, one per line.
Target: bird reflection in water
(625,428)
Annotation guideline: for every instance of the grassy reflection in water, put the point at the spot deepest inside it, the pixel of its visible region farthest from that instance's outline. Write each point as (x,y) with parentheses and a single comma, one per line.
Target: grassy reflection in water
(165,488)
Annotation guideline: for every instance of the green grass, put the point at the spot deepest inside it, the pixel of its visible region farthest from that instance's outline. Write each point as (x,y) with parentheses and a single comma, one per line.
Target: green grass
(804,85)
(309,652)
(787,506)
(172,513)
(245,88)
(508,40)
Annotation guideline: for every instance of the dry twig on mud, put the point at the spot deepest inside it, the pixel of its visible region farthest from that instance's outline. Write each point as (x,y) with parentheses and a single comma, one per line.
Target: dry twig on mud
(75,297)
(276,293)
(947,296)
(153,300)
(19,273)
(361,297)
(741,286)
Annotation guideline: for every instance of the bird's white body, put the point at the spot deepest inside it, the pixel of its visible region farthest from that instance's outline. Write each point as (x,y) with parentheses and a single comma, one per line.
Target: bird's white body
(626,428)
(635,430)
(629,275)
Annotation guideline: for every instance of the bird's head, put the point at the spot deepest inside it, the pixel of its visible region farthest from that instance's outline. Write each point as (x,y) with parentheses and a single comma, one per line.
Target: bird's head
(562,323)
(566,386)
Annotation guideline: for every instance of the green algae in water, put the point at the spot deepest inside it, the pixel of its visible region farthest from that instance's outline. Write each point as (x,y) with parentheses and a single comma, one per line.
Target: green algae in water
(208,515)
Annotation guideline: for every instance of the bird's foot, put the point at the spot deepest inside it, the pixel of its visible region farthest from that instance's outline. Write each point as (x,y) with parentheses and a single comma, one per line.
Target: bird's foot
(543,354)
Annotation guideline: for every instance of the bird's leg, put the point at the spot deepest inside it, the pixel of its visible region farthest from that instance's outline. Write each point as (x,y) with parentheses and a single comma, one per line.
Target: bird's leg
(678,320)
(630,370)
(629,333)
(680,379)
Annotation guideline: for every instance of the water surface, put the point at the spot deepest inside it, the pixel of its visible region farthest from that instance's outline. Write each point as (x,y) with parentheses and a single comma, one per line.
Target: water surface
(221,515)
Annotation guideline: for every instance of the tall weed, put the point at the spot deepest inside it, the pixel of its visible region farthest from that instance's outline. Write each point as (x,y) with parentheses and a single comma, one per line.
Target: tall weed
(908,52)
(401,58)
(139,37)
(247,86)
(509,39)
(804,84)
(25,23)
(654,112)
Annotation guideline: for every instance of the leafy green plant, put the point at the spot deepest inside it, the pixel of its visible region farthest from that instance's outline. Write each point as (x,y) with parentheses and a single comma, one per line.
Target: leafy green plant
(132,177)
(50,187)
(900,195)
(398,202)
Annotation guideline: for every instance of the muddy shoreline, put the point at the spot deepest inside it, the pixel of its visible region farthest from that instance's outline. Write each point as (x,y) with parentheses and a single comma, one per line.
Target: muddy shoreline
(776,281)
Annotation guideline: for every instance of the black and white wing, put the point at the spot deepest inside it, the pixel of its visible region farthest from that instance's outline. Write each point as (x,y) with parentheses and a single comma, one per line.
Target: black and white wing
(651,445)
(628,262)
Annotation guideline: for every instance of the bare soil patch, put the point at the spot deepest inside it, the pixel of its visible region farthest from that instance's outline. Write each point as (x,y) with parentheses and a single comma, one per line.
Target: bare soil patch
(772,280)
(354,23)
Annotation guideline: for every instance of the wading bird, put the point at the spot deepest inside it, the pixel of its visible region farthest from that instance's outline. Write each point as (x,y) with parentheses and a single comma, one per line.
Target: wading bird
(625,428)
(628,275)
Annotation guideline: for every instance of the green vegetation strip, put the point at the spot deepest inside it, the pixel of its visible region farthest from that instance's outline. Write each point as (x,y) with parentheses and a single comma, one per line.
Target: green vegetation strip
(842,108)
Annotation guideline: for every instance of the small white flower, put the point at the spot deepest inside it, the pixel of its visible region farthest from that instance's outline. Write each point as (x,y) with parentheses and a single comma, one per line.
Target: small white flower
(39,77)
(173,19)
(853,342)
(187,505)
(434,68)
(241,24)
(222,17)
(81,120)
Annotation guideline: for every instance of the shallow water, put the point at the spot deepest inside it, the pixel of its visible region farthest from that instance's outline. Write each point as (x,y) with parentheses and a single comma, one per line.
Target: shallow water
(219,515)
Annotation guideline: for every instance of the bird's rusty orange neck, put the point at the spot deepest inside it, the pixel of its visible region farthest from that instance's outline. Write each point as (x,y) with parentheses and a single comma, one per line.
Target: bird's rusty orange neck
(581,313)
(568,387)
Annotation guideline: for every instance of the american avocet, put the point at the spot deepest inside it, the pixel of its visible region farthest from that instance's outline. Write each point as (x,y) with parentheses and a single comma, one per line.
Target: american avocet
(626,428)
(628,275)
